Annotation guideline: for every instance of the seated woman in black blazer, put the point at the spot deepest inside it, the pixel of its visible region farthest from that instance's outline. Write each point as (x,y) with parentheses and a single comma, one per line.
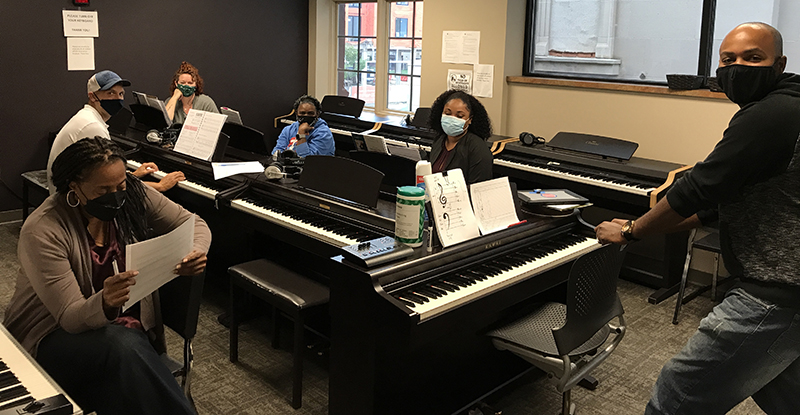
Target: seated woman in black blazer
(463,126)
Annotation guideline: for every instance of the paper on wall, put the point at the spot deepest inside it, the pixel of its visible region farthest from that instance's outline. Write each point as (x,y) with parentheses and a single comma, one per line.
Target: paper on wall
(483,80)
(460,46)
(460,80)
(79,23)
(80,54)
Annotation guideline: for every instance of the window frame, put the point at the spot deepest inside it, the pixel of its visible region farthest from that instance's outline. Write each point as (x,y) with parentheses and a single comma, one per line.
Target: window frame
(705,44)
(383,36)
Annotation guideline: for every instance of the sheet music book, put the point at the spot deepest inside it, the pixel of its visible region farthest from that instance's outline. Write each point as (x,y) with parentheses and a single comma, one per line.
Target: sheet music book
(152,101)
(199,135)
(493,205)
(233,115)
(452,211)
(156,258)
(407,152)
(373,143)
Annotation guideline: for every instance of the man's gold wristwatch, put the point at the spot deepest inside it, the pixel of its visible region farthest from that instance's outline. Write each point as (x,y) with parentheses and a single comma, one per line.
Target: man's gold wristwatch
(627,231)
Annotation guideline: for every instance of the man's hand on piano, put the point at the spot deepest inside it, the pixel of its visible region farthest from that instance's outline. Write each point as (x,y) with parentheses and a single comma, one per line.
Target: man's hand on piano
(145,169)
(116,291)
(169,181)
(611,232)
(192,264)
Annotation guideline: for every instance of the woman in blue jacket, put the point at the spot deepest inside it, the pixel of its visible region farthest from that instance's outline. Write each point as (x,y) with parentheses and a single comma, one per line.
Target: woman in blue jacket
(309,135)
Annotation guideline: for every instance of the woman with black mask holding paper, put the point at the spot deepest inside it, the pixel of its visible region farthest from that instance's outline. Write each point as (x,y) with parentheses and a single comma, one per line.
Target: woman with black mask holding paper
(309,135)
(66,309)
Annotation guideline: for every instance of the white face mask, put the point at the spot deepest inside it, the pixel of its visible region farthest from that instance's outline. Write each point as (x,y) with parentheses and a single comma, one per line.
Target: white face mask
(453,126)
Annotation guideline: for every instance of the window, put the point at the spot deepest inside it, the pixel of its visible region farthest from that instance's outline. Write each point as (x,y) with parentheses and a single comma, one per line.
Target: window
(385,79)
(641,40)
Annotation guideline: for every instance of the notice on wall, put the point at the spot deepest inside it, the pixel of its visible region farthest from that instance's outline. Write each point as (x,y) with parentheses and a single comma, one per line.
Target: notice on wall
(460,46)
(460,80)
(80,23)
(80,54)
(482,81)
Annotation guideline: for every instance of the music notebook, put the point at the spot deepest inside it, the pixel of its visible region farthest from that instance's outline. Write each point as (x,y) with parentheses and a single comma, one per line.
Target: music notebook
(200,133)
(452,212)
(493,205)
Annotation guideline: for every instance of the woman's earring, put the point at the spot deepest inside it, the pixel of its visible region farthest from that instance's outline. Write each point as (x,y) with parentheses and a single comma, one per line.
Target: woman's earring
(77,200)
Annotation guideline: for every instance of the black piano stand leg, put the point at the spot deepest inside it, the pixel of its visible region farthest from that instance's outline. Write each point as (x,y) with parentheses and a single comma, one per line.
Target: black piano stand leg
(233,326)
(588,382)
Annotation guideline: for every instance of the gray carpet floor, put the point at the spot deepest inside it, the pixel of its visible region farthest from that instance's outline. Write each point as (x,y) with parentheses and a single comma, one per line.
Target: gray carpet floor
(261,382)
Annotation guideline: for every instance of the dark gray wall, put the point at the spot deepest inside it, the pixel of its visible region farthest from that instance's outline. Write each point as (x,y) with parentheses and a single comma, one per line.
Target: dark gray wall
(252,55)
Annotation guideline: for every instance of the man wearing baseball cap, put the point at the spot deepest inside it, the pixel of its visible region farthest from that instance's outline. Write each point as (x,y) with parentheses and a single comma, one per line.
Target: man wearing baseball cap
(105,91)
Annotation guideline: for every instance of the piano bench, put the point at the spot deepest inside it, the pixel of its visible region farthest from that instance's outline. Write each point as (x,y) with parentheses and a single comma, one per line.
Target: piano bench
(286,291)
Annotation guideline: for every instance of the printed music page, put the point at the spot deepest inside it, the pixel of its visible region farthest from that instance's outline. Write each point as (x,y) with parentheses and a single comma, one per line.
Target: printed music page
(199,135)
(493,205)
(156,258)
(452,212)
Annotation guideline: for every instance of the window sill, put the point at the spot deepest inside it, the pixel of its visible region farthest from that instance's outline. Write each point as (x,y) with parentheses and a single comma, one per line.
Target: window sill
(577,65)
(615,86)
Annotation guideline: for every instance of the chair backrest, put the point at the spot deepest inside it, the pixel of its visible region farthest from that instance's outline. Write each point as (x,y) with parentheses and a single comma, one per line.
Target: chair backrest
(180,304)
(592,299)
(245,138)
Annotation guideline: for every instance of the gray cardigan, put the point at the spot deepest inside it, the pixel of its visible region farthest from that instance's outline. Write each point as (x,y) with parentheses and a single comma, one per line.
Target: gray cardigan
(54,286)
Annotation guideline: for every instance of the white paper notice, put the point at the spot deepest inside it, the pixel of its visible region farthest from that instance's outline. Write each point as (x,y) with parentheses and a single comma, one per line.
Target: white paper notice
(493,205)
(460,46)
(460,80)
(483,80)
(229,169)
(78,23)
(156,258)
(200,133)
(452,212)
(80,53)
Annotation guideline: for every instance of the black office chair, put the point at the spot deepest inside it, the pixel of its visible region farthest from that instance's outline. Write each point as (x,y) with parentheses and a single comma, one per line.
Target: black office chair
(564,339)
(398,171)
(245,138)
(180,307)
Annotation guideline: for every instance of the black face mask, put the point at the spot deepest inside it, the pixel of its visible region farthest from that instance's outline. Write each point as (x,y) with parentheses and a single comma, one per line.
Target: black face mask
(111,106)
(744,84)
(308,119)
(107,206)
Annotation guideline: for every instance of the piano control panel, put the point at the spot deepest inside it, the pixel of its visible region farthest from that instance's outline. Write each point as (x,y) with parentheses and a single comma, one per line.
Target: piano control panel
(377,251)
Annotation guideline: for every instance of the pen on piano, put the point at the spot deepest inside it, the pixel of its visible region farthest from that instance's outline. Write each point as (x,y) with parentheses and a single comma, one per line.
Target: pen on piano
(518,223)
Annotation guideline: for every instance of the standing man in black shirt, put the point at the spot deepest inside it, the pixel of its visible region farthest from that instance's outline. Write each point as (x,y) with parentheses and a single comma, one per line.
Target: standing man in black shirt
(750,343)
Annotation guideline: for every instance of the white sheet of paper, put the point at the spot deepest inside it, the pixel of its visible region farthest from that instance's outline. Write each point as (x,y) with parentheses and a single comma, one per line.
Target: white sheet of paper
(200,133)
(375,143)
(452,212)
(493,205)
(460,80)
(407,152)
(483,80)
(229,169)
(80,23)
(460,46)
(156,258)
(80,53)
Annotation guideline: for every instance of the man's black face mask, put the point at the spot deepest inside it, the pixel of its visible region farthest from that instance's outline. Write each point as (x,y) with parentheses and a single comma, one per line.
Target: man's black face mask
(744,84)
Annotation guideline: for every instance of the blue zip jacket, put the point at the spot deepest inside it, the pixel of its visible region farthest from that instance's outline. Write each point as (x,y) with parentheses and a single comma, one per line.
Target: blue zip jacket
(319,142)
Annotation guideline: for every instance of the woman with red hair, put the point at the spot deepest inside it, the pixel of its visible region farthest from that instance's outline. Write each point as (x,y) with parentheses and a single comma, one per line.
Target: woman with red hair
(187,93)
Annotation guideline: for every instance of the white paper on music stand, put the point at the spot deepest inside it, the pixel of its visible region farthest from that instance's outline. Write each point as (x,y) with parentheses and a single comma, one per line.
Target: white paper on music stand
(156,258)
(222,170)
(407,152)
(233,115)
(200,133)
(452,212)
(493,205)
(376,143)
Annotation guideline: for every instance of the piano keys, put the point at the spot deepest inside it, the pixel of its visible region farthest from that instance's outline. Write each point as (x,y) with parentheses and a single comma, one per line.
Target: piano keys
(23,381)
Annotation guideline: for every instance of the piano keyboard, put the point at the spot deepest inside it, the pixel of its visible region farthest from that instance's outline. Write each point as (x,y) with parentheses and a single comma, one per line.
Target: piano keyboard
(388,140)
(453,289)
(311,224)
(21,379)
(185,184)
(553,169)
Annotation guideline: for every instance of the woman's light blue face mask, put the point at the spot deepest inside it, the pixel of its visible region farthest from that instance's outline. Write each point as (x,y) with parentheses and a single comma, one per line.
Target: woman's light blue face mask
(453,126)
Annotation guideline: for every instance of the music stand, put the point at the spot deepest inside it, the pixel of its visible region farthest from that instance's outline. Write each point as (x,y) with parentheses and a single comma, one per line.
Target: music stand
(245,138)
(398,171)
(342,178)
(422,117)
(336,104)
(151,117)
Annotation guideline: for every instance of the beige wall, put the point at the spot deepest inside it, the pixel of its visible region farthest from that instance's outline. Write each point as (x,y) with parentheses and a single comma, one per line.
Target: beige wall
(669,128)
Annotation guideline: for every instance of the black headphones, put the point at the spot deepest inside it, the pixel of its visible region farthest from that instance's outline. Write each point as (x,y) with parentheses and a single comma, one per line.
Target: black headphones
(529,139)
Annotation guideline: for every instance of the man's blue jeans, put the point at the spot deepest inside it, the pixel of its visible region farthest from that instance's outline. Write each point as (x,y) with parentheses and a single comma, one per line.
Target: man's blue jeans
(745,347)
